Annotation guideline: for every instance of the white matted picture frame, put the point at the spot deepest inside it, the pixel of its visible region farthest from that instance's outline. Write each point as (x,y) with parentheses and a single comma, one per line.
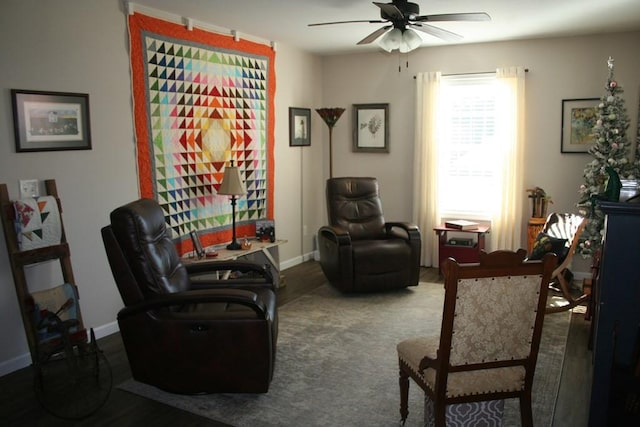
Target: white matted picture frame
(50,121)
(371,128)
(299,127)
(579,116)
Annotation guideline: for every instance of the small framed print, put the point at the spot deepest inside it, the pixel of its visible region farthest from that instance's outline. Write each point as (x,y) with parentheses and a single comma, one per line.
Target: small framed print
(266,230)
(579,116)
(197,245)
(299,127)
(371,128)
(50,121)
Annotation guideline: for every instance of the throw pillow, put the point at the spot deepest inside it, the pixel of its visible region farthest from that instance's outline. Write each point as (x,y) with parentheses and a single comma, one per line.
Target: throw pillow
(545,243)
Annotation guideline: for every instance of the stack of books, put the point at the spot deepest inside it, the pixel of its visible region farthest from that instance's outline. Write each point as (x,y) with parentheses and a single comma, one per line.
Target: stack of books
(461,224)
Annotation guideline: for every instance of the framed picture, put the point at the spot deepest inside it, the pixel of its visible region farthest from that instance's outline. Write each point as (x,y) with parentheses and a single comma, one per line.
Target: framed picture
(371,128)
(50,121)
(579,116)
(299,127)
(197,244)
(266,230)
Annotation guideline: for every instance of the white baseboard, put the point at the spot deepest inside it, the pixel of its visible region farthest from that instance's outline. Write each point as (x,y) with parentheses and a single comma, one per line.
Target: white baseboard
(15,364)
(298,260)
(24,360)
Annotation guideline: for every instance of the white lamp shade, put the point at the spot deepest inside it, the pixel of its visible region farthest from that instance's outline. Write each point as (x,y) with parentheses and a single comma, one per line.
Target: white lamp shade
(391,40)
(232,184)
(410,40)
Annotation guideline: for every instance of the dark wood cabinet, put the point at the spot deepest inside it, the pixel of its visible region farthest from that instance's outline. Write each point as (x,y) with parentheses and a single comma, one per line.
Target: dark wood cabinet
(616,384)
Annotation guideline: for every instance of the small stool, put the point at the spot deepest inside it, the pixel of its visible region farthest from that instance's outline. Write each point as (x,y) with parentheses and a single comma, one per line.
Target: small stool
(486,414)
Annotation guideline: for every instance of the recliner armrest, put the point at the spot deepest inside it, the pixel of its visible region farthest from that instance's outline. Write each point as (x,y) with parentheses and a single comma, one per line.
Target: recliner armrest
(207,267)
(260,275)
(402,230)
(233,296)
(337,234)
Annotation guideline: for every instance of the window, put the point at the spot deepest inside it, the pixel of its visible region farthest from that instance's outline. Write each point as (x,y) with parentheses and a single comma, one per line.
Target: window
(469,166)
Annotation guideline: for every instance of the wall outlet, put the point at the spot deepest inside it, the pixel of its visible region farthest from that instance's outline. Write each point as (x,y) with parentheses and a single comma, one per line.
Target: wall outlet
(29,188)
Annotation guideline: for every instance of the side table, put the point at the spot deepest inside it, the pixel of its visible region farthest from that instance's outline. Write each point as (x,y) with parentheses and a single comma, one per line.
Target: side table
(261,252)
(462,254)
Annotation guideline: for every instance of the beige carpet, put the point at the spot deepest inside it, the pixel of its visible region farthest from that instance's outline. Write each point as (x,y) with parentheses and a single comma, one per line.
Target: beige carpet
(337,364)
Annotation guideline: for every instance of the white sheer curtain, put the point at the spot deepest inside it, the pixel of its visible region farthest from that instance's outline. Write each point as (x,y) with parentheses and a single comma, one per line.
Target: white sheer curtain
(506,222)
(425,197)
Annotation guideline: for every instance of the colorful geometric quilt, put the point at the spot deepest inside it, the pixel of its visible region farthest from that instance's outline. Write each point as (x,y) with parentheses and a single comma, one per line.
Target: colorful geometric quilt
(201,101)
(37,222)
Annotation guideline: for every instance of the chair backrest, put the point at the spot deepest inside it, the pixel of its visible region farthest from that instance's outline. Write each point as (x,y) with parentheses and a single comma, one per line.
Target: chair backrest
(141,233)
(493,311)
(354,204)
(564,226)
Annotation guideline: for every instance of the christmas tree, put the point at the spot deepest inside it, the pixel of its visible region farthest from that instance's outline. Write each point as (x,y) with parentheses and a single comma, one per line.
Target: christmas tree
(610,162)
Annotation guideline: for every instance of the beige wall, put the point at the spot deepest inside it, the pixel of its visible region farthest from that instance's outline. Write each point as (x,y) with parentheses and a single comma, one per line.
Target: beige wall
(558,69)
(81,46)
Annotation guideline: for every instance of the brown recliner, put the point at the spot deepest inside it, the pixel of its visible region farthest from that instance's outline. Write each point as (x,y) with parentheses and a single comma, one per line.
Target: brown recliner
(183,333)
(359,251)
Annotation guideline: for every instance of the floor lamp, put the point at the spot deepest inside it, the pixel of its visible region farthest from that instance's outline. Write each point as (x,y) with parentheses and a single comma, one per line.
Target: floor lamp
(233,186)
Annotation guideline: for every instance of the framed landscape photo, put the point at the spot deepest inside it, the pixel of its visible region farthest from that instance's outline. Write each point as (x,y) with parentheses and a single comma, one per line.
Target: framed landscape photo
(579,116)
(299,127)
(371,128)
(50,121)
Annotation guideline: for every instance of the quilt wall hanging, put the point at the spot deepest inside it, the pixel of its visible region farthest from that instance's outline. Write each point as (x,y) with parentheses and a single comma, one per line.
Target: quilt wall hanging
(202,100)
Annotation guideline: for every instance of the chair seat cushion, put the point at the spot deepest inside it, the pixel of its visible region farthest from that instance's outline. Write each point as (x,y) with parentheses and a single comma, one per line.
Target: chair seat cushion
(380,256)
(545,243)
(226,311)
(413,350)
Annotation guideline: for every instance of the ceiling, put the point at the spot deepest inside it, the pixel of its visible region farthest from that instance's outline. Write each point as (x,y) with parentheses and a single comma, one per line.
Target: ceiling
(286,21)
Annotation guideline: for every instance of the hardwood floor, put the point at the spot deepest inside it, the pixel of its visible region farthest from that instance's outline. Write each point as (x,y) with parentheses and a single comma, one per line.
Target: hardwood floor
(19,407)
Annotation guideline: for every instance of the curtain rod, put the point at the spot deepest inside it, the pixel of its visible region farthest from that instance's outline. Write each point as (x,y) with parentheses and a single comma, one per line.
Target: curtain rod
(526,70)
(190,23)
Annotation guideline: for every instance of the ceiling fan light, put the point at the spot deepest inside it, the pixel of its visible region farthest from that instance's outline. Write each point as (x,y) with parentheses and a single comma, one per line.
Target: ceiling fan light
(391,40)
(410,41)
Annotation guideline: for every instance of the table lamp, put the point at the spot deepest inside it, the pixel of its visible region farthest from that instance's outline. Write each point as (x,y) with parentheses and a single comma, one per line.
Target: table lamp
(233,186)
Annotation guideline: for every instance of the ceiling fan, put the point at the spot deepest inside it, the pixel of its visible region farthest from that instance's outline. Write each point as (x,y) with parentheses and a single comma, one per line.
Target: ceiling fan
(402,16)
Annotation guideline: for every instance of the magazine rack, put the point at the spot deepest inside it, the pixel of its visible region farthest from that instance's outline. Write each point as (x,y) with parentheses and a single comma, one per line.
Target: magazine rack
(72,376)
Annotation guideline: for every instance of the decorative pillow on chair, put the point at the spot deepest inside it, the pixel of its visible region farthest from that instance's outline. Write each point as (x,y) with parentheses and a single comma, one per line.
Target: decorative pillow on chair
(545,243)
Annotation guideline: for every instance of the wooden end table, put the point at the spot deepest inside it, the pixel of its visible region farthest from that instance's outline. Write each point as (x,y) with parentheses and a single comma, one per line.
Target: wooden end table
(462,254)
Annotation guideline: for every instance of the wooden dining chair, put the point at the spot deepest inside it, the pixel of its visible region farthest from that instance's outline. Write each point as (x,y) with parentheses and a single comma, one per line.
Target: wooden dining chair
(490,335)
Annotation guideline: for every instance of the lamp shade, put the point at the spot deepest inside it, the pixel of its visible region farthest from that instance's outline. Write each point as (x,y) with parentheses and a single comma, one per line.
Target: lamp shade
(232,184)
(391,40)
(404,40)
(410,40)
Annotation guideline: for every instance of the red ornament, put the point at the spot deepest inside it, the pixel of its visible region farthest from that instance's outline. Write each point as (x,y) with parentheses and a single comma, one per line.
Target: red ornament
(613,84)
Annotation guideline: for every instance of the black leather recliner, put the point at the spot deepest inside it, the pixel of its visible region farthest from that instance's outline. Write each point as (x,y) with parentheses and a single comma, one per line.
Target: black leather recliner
(183,333)
(359,251)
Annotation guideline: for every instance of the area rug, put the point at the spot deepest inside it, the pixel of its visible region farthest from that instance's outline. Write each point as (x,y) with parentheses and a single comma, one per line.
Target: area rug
(337,364)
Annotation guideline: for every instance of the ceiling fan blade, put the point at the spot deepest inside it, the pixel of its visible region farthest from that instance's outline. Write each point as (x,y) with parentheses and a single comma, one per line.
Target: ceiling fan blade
(476,16)
(378,21)
(377,33)
(390,9)
(438,32)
